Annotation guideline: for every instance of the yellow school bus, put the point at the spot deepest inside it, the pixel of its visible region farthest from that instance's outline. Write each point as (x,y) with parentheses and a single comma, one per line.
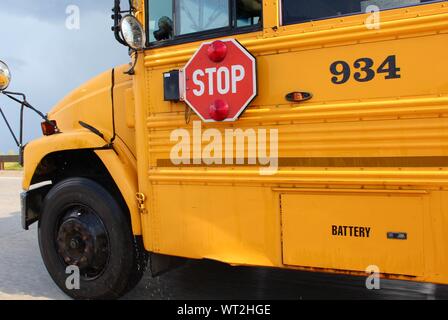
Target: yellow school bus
(338,163)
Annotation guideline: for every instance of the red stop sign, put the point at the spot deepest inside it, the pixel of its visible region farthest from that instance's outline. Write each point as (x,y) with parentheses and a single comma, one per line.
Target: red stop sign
(220,81)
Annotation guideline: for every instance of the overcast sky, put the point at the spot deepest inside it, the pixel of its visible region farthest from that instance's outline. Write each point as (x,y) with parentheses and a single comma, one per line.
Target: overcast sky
(48,60)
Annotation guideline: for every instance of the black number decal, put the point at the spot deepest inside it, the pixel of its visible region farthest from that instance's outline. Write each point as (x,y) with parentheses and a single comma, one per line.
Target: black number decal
(365,65)
(342,72)
(338,69)
(389,66)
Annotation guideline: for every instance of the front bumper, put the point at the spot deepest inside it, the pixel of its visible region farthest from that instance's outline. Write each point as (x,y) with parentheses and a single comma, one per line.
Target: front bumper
(28,218)
(32,204)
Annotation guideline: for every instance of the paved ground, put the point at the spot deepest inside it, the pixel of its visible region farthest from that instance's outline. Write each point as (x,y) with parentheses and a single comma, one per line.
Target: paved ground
(23,275)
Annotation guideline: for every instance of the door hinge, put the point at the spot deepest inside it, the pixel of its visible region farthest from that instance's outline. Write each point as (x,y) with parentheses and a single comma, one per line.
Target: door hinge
(141,199)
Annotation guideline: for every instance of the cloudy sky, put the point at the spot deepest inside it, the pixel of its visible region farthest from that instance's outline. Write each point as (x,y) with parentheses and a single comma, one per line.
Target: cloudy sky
(48,60)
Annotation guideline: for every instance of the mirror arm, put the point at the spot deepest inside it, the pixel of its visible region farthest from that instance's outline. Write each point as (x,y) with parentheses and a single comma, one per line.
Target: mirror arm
(117,16)
(131,71)
(24,103)
(117,19)
(131,7)
(10,129)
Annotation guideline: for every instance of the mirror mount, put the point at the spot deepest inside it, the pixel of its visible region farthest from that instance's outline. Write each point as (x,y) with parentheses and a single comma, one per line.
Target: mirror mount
(117,16)
(13,96)
(20,98)
(128,31)
(131,71)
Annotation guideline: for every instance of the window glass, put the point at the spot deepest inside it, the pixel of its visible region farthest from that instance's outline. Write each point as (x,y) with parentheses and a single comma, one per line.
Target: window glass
(160,20)
(168,19)
(248,12)
(296,11)
(200,15)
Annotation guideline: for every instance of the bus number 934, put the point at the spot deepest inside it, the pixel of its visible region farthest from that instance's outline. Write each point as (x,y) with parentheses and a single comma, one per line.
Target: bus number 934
(364,70)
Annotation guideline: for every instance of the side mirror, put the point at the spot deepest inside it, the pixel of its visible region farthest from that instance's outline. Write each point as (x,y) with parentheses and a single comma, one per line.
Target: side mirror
(5,76)
(133,32)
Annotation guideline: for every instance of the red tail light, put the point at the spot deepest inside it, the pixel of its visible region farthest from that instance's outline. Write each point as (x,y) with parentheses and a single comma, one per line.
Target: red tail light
(49,127)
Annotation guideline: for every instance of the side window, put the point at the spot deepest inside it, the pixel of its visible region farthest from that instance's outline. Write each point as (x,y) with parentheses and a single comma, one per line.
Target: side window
(160,20)
(200,15)
(248,12)
(297,11)
(169,19)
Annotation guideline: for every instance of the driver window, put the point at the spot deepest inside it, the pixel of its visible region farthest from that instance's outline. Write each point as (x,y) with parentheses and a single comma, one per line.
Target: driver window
(171,18)
(248,12)
(201,15)
(160,20)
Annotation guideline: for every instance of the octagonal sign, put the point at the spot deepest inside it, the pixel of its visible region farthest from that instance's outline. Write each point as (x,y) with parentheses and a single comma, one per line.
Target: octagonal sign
(220,81)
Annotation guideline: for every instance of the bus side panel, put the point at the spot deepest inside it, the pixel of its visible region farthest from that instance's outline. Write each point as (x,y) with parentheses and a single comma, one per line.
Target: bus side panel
(381,134)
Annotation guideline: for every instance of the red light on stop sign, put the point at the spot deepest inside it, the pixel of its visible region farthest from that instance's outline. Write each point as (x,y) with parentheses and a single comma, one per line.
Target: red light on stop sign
(217,51)
(219,110)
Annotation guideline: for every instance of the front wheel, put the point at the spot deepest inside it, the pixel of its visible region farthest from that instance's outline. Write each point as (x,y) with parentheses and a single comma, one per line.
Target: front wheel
(83,227)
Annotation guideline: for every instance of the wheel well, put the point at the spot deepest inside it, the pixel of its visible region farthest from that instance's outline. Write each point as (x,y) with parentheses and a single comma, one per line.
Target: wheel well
(58,166)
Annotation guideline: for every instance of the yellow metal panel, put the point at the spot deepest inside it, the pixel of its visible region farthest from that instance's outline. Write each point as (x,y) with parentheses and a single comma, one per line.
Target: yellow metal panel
(124,174)
(271,15)
(130,108)
(363,221)
(234,225)
(421,73)
(91,103)
(436,238)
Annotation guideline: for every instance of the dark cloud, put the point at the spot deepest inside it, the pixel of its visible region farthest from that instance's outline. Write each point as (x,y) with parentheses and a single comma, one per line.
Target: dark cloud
(17,62)
(51,10)
(46,59)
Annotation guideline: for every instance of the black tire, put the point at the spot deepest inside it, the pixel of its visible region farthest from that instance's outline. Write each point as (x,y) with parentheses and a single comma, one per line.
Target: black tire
(83,225)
